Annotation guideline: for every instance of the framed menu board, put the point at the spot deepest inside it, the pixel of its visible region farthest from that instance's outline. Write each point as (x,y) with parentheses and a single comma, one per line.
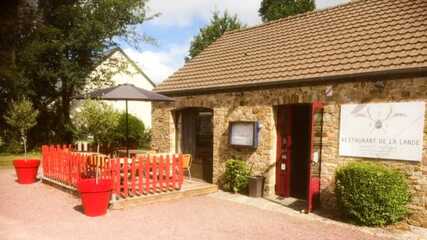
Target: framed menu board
(243,134)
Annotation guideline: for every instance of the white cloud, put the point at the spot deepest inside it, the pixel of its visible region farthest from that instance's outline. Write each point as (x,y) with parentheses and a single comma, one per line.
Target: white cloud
(183,12)
(320,4)
(159,65)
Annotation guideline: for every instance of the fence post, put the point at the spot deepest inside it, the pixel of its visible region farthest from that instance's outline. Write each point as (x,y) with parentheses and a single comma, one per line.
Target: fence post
(154,171)
(180,171)
(167,171)
(125,176)
(69,168)
(160,172)
(43,159)
(133,179)
(147,174)
(174,171)
(140,174)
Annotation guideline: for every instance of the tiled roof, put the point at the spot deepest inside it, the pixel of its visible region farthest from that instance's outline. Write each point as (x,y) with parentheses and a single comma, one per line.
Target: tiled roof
(364,36)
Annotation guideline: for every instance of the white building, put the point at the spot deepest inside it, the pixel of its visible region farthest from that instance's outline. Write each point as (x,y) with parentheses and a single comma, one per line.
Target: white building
(121,69)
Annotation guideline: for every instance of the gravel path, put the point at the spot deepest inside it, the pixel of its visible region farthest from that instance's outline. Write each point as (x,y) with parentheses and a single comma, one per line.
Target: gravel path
(39,211)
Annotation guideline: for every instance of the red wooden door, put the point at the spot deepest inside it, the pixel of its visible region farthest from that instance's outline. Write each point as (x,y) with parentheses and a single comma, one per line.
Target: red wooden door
(283,154)
(313,191)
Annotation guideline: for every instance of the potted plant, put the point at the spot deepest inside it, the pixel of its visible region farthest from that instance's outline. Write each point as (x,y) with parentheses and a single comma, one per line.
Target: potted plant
(236,175)
(95,193)
(22,116)
(238,178)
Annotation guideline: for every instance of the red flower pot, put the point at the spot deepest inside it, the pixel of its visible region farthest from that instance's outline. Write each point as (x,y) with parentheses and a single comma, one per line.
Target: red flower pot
(95,196)
(26,170)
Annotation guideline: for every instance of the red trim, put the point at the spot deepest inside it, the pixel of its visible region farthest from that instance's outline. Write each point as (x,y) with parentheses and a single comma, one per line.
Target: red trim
(288,161)
(279,177)
(283,130)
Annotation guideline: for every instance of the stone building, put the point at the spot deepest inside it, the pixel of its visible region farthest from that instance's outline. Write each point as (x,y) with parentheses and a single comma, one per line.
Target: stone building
(292,80)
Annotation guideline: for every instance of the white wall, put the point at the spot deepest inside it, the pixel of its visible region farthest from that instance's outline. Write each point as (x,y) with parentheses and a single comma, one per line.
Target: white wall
(131,75)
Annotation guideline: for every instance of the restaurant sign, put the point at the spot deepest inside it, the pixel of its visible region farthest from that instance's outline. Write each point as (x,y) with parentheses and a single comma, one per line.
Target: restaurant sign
(382,130)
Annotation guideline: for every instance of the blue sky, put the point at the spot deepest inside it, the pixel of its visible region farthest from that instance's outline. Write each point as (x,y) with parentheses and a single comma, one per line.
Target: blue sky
(179,21)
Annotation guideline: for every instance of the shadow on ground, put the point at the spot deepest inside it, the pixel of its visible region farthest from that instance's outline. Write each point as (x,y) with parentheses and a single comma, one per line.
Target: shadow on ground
(79,208)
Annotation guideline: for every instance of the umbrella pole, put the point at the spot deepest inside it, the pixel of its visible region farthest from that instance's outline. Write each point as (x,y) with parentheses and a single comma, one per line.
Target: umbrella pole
(127,130)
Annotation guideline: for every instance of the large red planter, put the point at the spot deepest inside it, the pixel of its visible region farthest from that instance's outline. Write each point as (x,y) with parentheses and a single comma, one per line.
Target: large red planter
(26,170)
(95,196)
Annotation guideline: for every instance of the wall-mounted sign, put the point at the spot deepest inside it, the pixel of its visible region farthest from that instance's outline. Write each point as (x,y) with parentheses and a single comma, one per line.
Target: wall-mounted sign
(382,130)
(244,134)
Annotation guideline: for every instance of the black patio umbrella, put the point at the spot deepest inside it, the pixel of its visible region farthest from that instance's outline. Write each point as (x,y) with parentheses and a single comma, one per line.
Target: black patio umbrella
(125,92)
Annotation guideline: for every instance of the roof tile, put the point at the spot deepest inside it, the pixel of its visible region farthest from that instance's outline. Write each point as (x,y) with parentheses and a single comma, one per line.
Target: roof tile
(360,37)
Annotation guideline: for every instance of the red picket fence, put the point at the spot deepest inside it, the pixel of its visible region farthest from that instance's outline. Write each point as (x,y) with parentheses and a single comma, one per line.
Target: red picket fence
(147,174)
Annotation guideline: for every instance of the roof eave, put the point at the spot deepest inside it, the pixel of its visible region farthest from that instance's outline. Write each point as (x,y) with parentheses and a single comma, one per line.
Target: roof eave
(284,83)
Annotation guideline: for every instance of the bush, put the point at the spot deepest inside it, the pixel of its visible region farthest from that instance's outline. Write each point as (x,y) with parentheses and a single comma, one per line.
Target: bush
(371,194)
(21,116)
(96,119)
(236,175)
(138,135)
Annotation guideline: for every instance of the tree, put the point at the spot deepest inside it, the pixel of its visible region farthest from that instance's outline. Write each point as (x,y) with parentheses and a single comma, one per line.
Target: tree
(21,116)
(96,119)
(217,27)
(138,136)
(14,22)
(67,40)
(275,9)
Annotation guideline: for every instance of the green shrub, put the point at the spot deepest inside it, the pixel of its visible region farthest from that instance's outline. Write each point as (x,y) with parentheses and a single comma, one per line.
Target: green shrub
(371,194)
(21,117)
(96,119)
(138,135)
(236,175)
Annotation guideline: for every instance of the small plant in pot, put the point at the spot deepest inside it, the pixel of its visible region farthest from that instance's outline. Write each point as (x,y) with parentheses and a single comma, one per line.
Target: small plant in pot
(236,175)
(21,116)
(95,193)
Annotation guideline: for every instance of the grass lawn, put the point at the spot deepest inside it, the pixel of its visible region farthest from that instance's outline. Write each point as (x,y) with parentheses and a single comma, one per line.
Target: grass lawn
(7,158)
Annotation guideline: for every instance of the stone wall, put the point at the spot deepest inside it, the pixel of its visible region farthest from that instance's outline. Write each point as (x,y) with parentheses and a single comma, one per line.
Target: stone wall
(260,105)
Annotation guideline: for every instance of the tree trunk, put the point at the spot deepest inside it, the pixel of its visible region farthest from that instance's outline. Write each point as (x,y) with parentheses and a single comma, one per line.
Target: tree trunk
(66,125)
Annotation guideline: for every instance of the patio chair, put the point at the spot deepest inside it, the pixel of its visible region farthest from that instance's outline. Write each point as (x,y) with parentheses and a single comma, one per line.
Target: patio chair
(186,164)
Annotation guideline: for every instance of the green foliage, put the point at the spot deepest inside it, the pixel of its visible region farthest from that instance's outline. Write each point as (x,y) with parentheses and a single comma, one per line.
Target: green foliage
(138,135)
(107,126)
(13,145)
(275,9)
(63,43)
(96,119)
(217,27)
(371,194)
(236,175)
(21,116)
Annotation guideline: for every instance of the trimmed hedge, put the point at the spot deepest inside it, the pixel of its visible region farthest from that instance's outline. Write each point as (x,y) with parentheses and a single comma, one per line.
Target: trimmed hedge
(371,194)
